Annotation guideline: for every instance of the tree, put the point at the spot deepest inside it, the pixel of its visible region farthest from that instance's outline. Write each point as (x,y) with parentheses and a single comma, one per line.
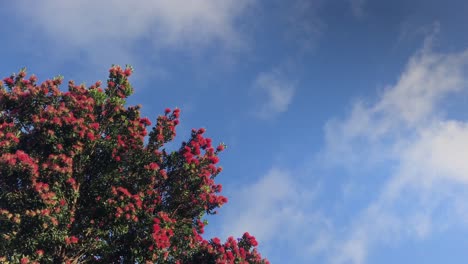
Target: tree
(78,183)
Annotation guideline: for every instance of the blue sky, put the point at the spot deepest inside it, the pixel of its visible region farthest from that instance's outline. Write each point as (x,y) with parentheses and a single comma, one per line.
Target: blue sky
(345,121)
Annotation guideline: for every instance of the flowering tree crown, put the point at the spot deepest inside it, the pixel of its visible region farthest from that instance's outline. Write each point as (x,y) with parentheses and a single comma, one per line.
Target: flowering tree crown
(79,184)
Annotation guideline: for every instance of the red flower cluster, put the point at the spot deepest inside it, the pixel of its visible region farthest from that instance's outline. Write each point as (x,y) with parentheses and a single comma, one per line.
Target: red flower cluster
(234,251)
(71,240)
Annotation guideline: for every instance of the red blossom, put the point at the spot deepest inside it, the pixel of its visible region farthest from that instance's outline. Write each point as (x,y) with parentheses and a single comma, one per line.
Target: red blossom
(220,148)
(94,126)
(214,159)
(71,240)
(128,72)
(153,166)
(90,135)
(9,81)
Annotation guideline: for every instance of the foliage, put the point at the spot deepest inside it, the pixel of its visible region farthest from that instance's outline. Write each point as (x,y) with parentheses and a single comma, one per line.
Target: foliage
(78,183)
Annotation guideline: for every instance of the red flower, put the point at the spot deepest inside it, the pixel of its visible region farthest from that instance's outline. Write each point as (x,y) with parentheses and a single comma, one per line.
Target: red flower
(153,166)
(216,241)
(176,113)
(71,240)
(214,159)
(128,72)
(145,121)
(9,81)
(90,136)
(71,181)
(94,126)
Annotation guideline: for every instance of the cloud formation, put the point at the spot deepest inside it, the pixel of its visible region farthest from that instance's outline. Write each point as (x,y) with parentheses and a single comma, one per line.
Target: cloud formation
(273,210)
(171,22)
(278,92)
(407,126)
(411,105)
(112,29)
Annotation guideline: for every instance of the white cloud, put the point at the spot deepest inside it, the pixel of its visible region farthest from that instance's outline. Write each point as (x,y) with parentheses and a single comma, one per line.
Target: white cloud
(401,111)
(407,126)
(88,21)
(279,93)
(269,203)
(274,209)
(442,151)
(109,29)
(428,78)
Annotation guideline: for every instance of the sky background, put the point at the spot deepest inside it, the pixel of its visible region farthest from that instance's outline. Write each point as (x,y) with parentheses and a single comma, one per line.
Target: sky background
(346,120)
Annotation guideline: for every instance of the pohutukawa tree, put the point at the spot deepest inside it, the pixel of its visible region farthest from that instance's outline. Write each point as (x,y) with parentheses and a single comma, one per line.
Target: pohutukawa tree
(78,183)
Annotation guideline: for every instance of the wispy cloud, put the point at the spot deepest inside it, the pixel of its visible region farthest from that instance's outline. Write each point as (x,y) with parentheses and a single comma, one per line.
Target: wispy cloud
(276,91)
(304,25)
(256,214)
(171,22)
(412,104)
(110,29)
(408,127)
(273,208)
(357,7)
